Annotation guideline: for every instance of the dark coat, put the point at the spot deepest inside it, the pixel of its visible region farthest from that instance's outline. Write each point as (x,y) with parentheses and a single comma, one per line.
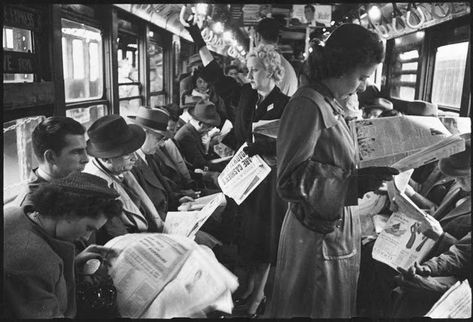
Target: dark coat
(190,145)
(152,185)
(38,270)
(263,211)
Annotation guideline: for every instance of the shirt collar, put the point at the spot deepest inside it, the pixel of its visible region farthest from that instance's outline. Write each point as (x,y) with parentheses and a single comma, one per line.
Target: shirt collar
(42,174)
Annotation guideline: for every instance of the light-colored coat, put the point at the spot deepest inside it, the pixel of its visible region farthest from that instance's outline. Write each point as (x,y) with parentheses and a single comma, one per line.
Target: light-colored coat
(316,273)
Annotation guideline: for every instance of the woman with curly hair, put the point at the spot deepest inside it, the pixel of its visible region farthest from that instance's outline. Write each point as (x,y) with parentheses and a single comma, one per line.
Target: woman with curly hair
(39,254)
(263,211)
(319,249)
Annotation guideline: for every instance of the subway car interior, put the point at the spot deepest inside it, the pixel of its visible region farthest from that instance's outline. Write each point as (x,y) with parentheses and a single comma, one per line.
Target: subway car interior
(222,160)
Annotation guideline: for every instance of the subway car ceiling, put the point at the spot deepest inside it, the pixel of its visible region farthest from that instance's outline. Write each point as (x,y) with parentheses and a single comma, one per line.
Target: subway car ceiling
(41,72)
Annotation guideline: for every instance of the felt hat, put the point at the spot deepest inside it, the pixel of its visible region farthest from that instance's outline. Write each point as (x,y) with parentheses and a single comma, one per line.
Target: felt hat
(379,103)
(459,164)
(152,119)
(173,110)
(421,108)
(86,184)
(205,112)
(111,137)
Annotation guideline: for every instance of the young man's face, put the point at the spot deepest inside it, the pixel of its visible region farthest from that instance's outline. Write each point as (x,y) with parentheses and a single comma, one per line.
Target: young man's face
(72,228)
(73,157)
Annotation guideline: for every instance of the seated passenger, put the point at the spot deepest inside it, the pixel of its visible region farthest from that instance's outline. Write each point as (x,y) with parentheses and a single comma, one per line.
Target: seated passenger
(59,146)
(146,170)
(423,285)
(376,107)
(113,144)
(188,138)
(446,231)
(39,256)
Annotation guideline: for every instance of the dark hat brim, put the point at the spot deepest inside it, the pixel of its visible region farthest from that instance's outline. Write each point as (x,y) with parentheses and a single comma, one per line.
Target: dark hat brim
(212,121)
(135,141)
(447,167)
(137,122)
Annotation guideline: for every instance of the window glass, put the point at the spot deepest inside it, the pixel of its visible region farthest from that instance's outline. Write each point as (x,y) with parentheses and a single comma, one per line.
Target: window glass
(407,93)
(157,100)
(409,66)
(409,55)
(128,73)
(155,67)
(82,61)
(87,115)
(18,155)
(19,40)
(408,78)
(449,73)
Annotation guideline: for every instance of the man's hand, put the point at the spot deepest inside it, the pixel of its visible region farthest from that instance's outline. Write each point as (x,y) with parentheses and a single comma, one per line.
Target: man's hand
(431,227)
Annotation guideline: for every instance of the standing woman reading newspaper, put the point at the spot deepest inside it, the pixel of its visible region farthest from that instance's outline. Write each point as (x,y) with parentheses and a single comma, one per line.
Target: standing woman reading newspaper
(263,211)
(319,250)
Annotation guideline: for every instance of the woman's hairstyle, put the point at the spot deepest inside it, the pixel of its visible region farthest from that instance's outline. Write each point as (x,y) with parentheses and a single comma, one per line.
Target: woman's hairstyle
(271,60)
(55,202)
(348,47)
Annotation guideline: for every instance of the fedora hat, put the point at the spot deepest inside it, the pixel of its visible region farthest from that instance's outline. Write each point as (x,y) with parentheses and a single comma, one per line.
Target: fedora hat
(379,103)
(205,112)
(111,137)
(459,164)
(152,119)
(421,108)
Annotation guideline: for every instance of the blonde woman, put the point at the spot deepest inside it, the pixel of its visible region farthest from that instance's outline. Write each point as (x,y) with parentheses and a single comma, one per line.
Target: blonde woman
(263,211)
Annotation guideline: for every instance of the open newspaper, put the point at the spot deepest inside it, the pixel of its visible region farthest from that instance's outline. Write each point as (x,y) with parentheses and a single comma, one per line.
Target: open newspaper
(454,304)
(242,175)
(384,141)
(166,276)
(456,125)
(401,242)
(187,223)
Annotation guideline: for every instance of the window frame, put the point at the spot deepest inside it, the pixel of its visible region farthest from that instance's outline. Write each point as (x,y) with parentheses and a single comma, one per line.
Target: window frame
(445,35)
(76,17)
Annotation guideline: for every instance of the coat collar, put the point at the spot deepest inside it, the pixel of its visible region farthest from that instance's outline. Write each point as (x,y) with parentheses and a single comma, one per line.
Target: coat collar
(320,93)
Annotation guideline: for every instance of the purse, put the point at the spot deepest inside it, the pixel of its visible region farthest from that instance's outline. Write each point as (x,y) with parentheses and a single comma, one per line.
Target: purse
(96,295)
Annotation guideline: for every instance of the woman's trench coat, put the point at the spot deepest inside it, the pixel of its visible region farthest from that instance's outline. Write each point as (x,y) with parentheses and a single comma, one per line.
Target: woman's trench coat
(319,249)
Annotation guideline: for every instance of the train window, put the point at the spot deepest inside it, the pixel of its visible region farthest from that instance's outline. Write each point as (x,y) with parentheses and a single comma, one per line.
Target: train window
(156,74)
(129,86)
(87,115)
(82,61)
(19,40)
(18,157)
(449,73)
(404,66)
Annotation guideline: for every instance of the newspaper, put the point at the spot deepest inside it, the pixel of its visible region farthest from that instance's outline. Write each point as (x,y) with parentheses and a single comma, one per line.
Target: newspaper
(384,141)
(166,276)
(456,125)
(242,175)
(199,203)
(187,223)
(269,128)
(401,243)
(454,304)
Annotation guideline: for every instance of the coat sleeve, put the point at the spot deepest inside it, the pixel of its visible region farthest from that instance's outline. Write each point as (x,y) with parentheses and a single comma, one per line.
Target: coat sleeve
(319,188)
(225,86)
(30,292)
(455,261)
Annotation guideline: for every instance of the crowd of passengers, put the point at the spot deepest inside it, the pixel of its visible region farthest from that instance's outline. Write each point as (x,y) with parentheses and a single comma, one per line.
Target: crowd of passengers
(131,171)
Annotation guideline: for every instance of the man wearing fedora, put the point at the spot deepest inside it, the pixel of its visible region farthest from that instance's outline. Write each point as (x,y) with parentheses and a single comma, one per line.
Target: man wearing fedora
(189,137)
(376,107)
(113,144)
(164,190)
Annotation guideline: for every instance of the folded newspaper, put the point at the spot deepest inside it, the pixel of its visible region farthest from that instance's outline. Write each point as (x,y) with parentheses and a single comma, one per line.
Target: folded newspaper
(166,276)
(454,304)
(269,128)
(187,223)
(242,175)
(384,141)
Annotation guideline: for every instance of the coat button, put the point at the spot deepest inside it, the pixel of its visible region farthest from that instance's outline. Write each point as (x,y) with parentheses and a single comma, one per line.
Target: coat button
(339,223)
